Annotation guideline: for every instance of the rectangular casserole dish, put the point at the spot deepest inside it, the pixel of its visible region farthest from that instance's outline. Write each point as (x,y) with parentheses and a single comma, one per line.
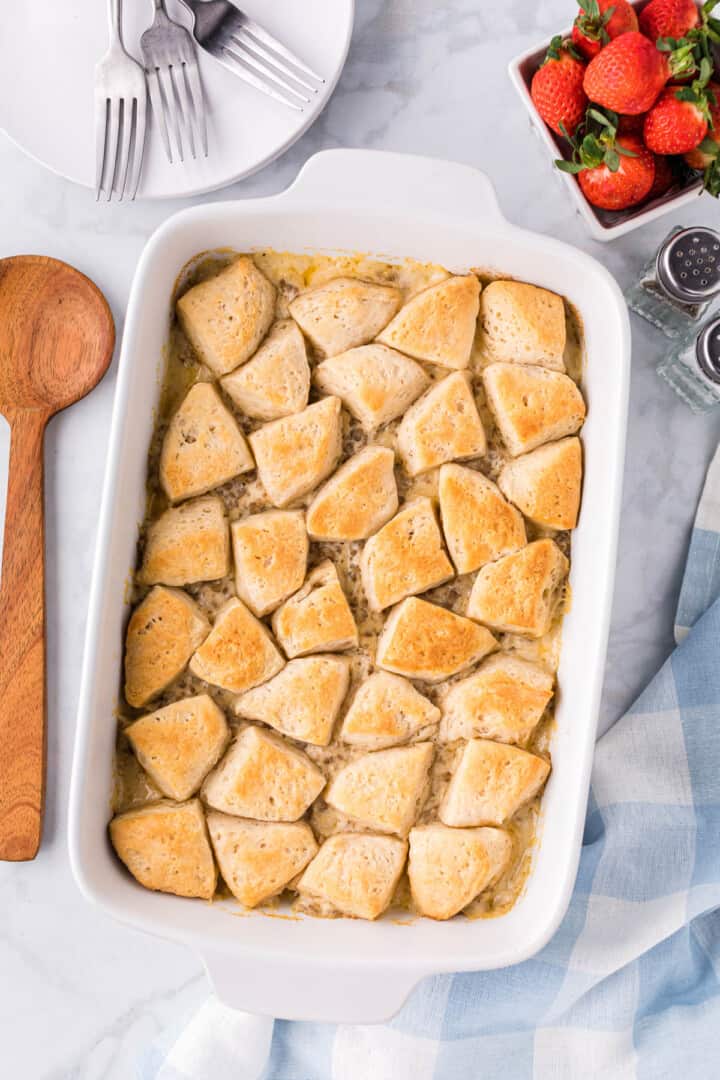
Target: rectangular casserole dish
(393,206)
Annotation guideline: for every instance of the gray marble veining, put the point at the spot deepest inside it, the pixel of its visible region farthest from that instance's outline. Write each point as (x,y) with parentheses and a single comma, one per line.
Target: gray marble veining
(79,994)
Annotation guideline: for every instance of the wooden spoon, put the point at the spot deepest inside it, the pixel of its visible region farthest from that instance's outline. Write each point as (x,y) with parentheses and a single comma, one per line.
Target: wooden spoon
(56,342)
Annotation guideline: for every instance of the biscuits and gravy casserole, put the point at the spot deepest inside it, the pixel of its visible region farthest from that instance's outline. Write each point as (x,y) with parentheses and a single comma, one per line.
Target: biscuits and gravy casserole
(340,659)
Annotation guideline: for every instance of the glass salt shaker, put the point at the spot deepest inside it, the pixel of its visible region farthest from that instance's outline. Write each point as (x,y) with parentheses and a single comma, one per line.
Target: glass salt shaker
(693,367)
(681,283)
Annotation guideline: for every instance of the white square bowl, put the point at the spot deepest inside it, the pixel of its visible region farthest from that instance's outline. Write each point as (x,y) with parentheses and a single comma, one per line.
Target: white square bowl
(393,206)
(603,224)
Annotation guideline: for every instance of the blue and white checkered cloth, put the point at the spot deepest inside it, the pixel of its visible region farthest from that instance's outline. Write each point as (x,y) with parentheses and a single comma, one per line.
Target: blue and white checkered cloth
(629,987)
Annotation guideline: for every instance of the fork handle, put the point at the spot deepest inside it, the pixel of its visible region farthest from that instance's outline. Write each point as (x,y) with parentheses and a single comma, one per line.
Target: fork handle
(22,642)
(115,20)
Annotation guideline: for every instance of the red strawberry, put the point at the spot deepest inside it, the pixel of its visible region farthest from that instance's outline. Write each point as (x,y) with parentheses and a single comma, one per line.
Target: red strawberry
(557,87)
(631,125)
(599,22)
(628,75)
(614,171)
(664,178)
(679,119)
(704,155)
(669,18)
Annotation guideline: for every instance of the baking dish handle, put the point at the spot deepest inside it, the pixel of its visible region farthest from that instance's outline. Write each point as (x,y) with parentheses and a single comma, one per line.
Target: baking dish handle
(290,991)
(380,180)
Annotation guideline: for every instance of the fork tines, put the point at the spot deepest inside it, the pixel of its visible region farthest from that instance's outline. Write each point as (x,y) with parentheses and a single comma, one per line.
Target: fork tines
(175,88)
(265,62)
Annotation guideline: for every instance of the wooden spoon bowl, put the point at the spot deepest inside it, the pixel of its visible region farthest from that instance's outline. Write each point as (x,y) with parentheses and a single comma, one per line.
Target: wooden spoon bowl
(56,342)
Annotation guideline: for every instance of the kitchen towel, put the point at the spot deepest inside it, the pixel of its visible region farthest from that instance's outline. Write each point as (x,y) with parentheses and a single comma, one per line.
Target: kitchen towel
(629,987)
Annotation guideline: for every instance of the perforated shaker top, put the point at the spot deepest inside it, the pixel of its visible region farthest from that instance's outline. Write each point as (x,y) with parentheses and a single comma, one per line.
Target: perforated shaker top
(688,265)
(708,350)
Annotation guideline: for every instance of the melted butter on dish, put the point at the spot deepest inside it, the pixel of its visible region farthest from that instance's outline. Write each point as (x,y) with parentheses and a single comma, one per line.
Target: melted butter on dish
(349,477)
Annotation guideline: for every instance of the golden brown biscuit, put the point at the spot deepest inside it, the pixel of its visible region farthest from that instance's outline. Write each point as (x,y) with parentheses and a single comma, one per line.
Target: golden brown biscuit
(297,453)
(448,868)
(478,523)
(491,782)
(276,382)
(226,317)
(523,324)
(318,617)
(405,557)
(355,873)
(519,593)
(375,383)
(385,710)
(503,700)
(270,552)
(187,543)
(303,700)
(203,446)
(257,859)
(165,847)
(438,324)
(545,484)
(532,405)
(359,498)
(164,631)
(238,653)
(443,425)
(384,790)
(343,313)
(263,777)
(177,746)
(424,641)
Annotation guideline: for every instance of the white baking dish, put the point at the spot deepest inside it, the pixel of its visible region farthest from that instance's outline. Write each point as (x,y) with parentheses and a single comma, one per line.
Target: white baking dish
(603,224)
(393,206)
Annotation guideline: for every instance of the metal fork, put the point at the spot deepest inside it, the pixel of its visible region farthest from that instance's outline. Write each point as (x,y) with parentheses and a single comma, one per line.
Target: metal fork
(252,53)
(174,83)
(120,116)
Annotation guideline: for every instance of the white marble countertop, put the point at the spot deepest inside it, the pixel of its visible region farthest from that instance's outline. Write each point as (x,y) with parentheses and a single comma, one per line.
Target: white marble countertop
(80,995)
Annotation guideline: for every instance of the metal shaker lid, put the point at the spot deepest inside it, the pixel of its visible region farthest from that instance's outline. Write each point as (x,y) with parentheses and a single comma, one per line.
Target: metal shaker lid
(688,265)
(708,350)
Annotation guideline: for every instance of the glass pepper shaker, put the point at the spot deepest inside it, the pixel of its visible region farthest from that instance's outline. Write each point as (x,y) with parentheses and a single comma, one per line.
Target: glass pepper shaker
(681,283)
(693,367)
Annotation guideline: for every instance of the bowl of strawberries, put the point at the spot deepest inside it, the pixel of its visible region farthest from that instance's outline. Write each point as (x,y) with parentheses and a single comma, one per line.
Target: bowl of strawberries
(628,103)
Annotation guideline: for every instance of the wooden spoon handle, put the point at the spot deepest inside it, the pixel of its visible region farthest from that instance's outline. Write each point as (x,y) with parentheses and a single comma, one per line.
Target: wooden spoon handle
(22,643)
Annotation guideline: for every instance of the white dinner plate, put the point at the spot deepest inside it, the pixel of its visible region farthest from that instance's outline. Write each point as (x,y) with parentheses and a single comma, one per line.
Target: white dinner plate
(48,52)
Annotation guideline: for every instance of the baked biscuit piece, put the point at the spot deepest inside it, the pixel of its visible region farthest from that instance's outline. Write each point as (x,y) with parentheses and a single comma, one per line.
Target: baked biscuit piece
(385,710)
(519,593)
(545,484)
(523,324)
(355,873)
(303,700)
(226,317)
(491,782)
(257,859)
(165,847)
(424,641)
(405,557)
(343,313)
(438,324)
(375,383)
(177,746)
(164,631)
(187,543)
(238,653)
(298,452)
(359,498)
(270,551)
(263,777)
(318,617)
(442,425)
(384,790)
(276,382)
(503,700)
(203,447)
(448,868)
(478,523)
(532,405)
